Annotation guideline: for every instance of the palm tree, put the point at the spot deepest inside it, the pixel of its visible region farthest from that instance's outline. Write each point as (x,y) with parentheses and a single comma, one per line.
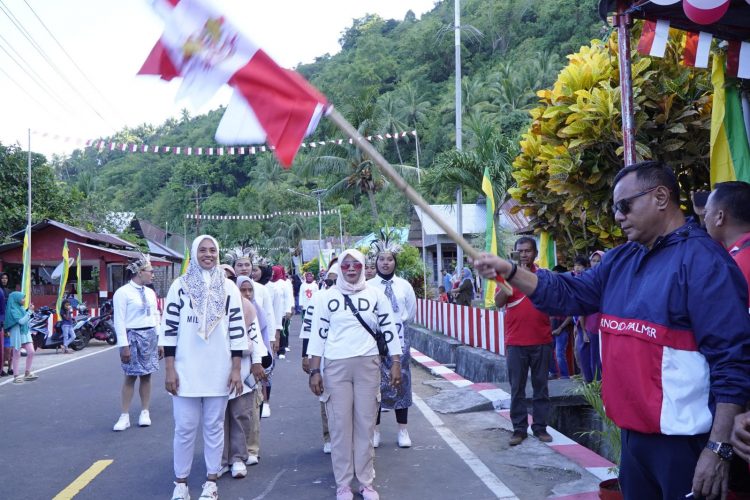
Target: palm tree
(389,110)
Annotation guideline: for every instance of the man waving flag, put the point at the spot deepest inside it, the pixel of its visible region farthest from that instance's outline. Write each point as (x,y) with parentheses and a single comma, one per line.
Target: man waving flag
(269,104)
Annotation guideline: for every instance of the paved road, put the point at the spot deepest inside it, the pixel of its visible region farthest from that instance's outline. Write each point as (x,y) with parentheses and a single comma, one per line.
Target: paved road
(54,429)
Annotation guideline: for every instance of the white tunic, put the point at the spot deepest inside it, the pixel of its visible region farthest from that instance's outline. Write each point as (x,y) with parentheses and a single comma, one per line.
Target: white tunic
(203,366)
(276,288)
(336,332)
(306,293)
(404,293)
(264,298)
(128,311)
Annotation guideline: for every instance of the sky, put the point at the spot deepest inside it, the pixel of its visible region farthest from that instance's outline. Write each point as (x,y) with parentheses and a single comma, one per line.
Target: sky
(86,86)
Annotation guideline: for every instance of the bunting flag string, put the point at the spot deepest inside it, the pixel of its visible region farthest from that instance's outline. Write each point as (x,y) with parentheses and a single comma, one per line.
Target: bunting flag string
(310,213)
(696,47)
(130,147)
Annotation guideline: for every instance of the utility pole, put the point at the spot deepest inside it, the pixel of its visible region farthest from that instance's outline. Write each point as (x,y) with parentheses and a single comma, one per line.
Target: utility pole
(198,198)
(459,126)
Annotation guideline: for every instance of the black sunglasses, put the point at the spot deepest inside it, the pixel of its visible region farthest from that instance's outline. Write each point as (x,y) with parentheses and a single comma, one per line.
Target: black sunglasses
(623,206)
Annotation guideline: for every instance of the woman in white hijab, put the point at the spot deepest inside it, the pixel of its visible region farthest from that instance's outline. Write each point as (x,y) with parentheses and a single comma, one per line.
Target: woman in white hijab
(203,337)
(350,381)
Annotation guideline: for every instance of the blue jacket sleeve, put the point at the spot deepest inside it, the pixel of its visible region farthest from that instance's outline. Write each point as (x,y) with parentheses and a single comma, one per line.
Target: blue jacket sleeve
(568,295)
(717,304)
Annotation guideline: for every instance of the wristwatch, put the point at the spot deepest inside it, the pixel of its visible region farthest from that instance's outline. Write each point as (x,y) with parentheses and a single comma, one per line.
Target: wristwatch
(724,450)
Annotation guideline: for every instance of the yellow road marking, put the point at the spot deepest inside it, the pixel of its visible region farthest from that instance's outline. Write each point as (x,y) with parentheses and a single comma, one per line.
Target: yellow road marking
(81,481)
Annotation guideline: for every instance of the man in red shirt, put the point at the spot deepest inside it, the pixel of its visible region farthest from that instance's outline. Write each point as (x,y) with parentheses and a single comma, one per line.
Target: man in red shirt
(528,338)
(727,220)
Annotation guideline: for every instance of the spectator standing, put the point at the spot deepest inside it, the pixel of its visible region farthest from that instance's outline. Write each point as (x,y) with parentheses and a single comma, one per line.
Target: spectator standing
(727,220)
(5,349)
(66,324)
(528,340)
(464,292)
(591,323)
(582,339)
(675,337)
(17,325)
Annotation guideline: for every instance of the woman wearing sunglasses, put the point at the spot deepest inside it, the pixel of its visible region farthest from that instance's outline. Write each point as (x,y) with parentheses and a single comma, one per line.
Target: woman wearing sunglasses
(350,379)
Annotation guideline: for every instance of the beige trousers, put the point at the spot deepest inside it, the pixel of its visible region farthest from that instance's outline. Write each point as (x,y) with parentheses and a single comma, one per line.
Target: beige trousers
(253,432)
(324,421)
(352,388)
(236,425)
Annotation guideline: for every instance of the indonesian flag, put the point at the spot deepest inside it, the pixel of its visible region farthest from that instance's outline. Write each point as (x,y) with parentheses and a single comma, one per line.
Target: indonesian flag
(654,37)
(269,104)
(738,59)
(697,49)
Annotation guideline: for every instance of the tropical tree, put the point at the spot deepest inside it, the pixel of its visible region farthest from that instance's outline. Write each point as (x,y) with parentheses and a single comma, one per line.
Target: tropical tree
(573,148)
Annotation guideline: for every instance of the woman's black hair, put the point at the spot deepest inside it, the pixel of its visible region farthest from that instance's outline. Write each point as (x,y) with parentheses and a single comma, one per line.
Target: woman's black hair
(266,272)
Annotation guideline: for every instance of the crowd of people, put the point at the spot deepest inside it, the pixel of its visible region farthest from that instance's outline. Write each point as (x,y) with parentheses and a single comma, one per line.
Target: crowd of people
(235,318)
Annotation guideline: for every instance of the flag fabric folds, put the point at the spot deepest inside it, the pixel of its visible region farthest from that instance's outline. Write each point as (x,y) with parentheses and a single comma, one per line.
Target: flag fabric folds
(730,151)
(26,277)
(269,104)
(654,37)
(738,59)
(79,281)
(185,261)
(697,49)
(63,278)
(490,245)
(547,251)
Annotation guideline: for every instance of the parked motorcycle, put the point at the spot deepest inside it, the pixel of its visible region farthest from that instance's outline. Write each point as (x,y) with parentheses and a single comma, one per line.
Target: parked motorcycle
(100,327)
(41,336)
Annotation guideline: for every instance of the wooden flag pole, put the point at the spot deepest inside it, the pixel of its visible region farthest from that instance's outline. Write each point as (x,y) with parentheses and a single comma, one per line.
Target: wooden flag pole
(404,187)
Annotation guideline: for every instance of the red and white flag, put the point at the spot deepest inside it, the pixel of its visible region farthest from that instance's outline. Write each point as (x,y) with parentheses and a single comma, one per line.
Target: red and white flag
(654,38)
(269,103)
(697,49)
(738,59)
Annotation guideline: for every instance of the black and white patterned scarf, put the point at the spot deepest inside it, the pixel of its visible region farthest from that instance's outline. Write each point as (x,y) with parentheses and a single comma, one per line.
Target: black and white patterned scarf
(205,289)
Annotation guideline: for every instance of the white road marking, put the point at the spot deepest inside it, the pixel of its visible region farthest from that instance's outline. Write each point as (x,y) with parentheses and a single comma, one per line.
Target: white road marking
(77,358)
(493,483)
(270,485)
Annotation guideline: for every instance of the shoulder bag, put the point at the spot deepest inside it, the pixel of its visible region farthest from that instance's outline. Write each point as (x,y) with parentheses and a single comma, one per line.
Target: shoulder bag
(378,336)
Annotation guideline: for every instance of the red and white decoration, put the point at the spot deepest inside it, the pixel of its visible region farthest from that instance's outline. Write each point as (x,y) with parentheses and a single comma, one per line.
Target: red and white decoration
(129,147)
(654,38)
(472,326)
(262,216)
(738,59)
(697,49)
(269,103)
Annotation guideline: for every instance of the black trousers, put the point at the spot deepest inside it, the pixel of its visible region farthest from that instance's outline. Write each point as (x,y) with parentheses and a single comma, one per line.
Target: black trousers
(521,360)
(657,466)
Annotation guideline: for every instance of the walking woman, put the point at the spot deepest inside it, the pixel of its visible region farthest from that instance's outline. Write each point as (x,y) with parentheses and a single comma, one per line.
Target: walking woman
(404,303)
(17,324)
(66,325)
(350,379)
(203,337)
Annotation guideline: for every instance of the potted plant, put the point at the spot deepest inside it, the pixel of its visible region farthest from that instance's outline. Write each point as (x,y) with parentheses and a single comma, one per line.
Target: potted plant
(609,434)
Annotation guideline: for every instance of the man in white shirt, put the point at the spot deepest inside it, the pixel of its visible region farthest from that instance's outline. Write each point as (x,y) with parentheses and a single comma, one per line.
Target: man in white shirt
(137,326)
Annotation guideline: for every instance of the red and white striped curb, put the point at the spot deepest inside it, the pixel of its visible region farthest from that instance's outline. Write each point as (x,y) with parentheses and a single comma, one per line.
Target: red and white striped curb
(595,464)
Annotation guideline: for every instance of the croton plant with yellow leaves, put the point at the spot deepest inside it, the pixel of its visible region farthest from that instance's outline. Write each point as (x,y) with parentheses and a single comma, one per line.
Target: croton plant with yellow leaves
(573,146)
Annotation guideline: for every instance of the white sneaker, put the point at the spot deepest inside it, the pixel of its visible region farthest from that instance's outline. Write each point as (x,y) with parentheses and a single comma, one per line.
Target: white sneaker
(403,439)
(224,469)
(376,439)
(251,460)
(144,420)
(327,447)
(282,356)
(210,492)
(266,411)
(122,423)
(180,492)
(239,469)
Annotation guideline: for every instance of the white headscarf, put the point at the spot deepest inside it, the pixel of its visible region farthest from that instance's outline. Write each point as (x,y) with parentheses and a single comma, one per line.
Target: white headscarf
(205,289)
(344,286)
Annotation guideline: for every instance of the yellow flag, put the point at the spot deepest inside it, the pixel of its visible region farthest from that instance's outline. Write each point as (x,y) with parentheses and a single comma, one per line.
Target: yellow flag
(26,278)
(63,278)
(547,251)
(185,261)
(79,282)
(490,235)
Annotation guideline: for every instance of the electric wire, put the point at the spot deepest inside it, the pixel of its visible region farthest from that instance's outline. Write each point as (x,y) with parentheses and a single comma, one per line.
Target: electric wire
(43,87)
(9,14)
(70,58)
